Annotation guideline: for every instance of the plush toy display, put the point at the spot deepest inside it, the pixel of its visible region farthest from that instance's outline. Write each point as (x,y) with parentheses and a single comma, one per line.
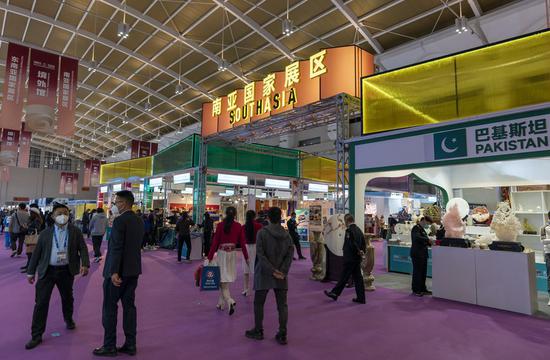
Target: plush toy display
(452,221)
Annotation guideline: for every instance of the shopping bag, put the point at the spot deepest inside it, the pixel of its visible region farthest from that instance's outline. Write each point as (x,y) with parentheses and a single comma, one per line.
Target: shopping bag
(210,278)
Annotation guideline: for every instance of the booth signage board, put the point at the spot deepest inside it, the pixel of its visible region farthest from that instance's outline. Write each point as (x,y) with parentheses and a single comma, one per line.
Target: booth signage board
(277,184)
(520,135)
(322,188)
(325,74)
(182,178)
(155,182)
(232,179)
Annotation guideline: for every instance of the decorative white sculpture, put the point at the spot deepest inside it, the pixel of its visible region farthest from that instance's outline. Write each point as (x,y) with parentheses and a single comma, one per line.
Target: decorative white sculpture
(334,233)
(452,221)
(505,224)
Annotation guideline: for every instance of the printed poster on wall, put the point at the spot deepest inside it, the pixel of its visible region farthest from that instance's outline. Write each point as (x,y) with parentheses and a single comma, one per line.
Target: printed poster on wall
(43,73)
(144,149)
(24,149)
(14,86)
(96,168)
(68,184)
(66,102)
(8,148)
(91,174)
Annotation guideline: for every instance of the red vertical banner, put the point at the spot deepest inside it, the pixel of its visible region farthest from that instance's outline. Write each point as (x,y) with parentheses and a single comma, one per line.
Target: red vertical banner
(14,86)
(154,149)
(62,182)
(144,149)
(24,149)
(96,168)
(100,199)
(74,187)
(66,102)
(8,149)
(43,73)
(135,148)
(87,175)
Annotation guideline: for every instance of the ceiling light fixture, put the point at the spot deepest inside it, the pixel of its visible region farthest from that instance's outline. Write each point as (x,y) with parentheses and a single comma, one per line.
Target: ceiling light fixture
(179,89)
(64,155)
(461,23)
(222,64)
(158,137)
(180,130)
(56,157)
(81,143)
(123,30)
(147,106)
(93,64)
(288,25)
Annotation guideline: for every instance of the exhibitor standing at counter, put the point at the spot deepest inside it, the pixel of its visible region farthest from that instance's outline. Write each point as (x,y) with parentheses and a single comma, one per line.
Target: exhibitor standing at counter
(419,256)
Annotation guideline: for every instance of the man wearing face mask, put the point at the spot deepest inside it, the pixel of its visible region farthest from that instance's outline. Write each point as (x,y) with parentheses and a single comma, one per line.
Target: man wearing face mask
(59,256)
(419,255)
(121,272)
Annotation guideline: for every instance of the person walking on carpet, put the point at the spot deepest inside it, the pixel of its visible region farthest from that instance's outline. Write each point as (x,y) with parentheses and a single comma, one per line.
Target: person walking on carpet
(183,229)
(98,227)
(228,234)
(59,256)
(292,226)
(355,248)
(121,273)
(274,251)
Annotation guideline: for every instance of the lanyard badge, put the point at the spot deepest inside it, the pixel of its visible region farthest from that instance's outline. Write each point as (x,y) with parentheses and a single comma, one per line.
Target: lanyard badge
(61,255)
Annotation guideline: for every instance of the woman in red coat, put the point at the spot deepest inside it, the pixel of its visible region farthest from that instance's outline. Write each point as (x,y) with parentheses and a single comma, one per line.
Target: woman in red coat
(249,233)
(228,234)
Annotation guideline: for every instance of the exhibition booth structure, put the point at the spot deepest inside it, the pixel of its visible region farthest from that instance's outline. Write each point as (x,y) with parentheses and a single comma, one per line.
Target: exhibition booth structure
(495,163)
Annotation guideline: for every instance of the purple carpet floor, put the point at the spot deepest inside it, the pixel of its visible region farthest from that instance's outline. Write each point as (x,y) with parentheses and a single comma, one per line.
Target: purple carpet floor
(176,321)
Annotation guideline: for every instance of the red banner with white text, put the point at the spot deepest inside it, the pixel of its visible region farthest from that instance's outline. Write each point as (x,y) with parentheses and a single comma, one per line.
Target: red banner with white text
(24,149)
(14,86)
(8,148)
(68,184)
(144,149)
(66,103)
(43,72)
(135,149)
(96,168)
(91,174)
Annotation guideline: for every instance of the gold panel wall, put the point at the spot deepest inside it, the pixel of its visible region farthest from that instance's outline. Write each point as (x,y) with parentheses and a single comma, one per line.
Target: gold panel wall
(124,170)
(495,78)
(318,169)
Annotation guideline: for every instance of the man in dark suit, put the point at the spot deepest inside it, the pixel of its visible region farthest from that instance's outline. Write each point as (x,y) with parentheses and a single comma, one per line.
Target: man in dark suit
(354,250)
(419,256)
(60,254)
(121,272)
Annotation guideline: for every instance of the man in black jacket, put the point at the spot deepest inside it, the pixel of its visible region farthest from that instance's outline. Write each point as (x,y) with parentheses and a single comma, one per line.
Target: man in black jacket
(121,272)
(419,256)
(354,250)
(59,256)
(292,226)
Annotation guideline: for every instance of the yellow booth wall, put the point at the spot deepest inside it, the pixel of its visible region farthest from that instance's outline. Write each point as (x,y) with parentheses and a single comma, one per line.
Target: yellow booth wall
(494,78)
(124,170)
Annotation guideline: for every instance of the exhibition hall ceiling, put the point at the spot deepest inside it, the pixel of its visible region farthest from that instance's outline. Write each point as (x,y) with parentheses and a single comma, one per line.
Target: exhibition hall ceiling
(174,42)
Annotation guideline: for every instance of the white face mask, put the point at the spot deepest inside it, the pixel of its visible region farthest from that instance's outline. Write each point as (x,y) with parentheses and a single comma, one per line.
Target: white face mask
(114,209)
(61,219)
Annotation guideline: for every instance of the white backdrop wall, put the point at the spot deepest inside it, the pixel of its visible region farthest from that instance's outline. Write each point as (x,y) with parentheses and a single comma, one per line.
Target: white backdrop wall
(37,183)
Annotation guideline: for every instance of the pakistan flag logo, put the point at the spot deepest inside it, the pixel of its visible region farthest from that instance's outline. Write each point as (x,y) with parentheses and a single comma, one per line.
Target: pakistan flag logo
(450,144)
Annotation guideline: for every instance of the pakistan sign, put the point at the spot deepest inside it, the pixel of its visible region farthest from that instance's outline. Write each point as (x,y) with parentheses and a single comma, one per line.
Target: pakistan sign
(471,141)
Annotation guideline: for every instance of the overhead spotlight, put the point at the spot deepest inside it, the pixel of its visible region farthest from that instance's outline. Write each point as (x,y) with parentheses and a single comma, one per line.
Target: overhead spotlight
(179,89)
(147,106)
(64,153)
(93,137)
(180,131)
(81,143)
(72,149)
(125,120)
(107,129)
(123,30)
(288,27)
(56,158)
(51,161)
(223,65)
(93,66)
(157,139)
(461,24)
(113,155)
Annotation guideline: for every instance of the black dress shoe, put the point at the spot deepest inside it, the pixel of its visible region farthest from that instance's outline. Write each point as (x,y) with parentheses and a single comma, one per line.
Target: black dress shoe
(105,352)
(34,342)
(281,338)
(355,300)
(331,295)
(128,350)
(419,294)
(232,308)
(254,334)
(71,325)
(427,292)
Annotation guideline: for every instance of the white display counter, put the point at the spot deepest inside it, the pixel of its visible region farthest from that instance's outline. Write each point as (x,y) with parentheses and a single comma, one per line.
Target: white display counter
(497,279)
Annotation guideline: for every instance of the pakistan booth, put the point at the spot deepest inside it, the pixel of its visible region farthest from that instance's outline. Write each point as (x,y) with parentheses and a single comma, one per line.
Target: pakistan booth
(485,142)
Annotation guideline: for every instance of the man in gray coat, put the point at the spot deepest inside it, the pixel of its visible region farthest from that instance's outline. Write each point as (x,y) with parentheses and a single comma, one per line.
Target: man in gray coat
(274,251)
